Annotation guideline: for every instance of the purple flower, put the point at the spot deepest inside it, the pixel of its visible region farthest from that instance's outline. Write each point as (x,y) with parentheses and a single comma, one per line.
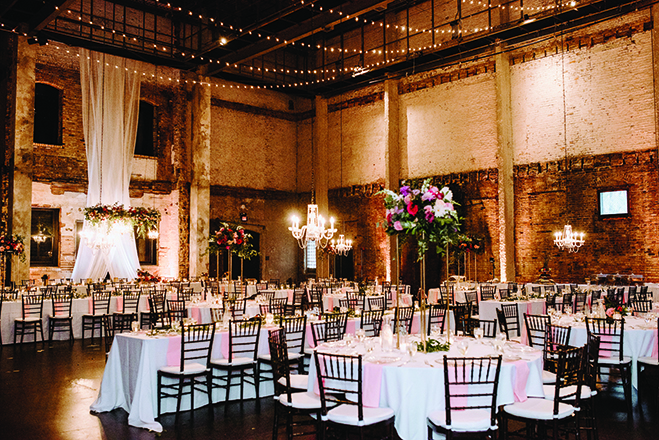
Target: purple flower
(398,226)
(416,192)
(404,190)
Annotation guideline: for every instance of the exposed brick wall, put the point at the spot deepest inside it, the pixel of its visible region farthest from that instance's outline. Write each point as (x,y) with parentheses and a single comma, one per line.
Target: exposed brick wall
(612,246)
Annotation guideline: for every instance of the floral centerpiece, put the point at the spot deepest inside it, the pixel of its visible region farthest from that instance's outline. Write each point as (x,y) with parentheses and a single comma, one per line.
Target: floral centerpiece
(144,219)
(424,211)
(612,308)
(234,239)
(12,245)
(144,276)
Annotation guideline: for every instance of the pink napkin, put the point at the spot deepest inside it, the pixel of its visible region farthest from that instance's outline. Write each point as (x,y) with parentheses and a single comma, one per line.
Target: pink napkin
(655,347)
(289,294)
(330,303)
(371,386)
(120,304)
(416,324)
(174,351)
(520,375)
(310,337)
(91,305)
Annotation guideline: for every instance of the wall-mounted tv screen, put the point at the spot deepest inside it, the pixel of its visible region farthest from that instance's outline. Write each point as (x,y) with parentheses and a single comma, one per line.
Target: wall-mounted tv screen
(613,203)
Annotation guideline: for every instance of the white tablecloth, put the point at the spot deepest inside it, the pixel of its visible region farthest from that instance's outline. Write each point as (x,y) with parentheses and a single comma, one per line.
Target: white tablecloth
(332,300)
(416,389)
(638,340)
(130,378)
(80,306)
(487,309)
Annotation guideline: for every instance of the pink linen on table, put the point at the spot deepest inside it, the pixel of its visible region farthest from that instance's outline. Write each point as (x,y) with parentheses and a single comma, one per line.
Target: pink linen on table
(351,326)
(91,305)
(195,313)
(371,385)
(330,303)
(457,401)
(655,347)
(120,304)
(174,351)
(289,295)
(605,345)
(309,338)
(224,344)
(520,376)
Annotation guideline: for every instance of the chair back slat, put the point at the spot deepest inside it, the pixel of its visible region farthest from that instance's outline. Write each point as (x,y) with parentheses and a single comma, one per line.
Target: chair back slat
(611,333)
(296,329)
(244,338)
(403,318)
(32,306)
(536,329)
(196,343)
(340,375)
(101,302)
(62,303)
(371,322)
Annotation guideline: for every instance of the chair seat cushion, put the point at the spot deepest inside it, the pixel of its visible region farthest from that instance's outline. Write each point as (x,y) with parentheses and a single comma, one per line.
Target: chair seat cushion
(298,381)
(550,390)
(191,368)
(470,420)
(614,360)
(62,317)
(648,361)
(304,400)
(237,361)
(548,377)
(539,409)
(29,319)
(348,415)
(292,356)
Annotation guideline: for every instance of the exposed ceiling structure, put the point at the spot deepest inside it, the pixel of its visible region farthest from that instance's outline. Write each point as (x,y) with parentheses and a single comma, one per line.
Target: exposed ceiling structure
(309,47)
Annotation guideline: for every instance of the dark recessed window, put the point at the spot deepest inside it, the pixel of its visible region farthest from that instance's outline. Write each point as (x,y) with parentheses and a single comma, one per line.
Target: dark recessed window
(613,203)
(44,240)
(147,250)
(47,115)
(145,144)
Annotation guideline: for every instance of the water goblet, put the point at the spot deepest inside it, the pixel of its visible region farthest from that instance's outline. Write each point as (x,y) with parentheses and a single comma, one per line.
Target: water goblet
(269,319)
(463,346)
(434,330)
(361,335)
(478,333)
(135,326)
(411,348)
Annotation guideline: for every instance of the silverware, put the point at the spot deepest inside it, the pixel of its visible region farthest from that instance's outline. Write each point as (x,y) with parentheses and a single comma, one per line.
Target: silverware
(430,364)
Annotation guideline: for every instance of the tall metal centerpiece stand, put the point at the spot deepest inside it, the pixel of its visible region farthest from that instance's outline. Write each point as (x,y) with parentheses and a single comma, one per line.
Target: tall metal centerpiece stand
(422,303)
(448,302)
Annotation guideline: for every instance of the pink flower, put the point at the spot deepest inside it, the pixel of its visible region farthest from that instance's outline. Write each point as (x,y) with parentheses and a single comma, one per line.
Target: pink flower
(398,226)
(412,209)
(610,312)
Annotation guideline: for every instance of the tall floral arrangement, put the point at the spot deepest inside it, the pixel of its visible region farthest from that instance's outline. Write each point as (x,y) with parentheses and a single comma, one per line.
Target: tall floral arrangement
(424,211)
(12,245)
(234,239)
(144,219)
(468,243)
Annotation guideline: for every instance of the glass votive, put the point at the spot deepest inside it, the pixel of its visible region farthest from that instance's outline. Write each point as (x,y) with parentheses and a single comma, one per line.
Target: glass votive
(135,326)
(269,319)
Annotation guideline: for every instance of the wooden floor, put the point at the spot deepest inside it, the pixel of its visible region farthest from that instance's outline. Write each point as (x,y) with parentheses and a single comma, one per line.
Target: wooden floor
(46,391)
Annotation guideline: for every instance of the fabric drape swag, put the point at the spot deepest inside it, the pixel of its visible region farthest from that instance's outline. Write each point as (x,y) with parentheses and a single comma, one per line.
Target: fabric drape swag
(110,106)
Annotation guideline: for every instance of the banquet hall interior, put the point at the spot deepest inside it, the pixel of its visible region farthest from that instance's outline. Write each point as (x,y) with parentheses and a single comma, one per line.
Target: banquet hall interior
(484,163)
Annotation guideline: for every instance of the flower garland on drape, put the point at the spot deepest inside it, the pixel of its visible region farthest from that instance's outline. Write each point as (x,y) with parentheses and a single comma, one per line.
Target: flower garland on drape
(144,219)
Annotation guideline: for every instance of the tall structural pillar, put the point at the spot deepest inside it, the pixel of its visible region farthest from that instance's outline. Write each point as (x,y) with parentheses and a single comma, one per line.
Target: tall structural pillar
(392,163)
(321,176)
(505,154)
(200,178)
(21,140)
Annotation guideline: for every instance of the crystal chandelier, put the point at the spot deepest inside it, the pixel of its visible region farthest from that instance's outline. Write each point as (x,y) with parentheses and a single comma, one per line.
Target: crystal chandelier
(104,235)
(314,230)
(40,237)
(569,240)
(343,246)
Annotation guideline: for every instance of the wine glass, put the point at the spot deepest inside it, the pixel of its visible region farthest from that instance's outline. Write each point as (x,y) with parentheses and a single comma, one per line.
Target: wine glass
(411,348)
(478,333)
(434,330)
(361,335)
(463,346)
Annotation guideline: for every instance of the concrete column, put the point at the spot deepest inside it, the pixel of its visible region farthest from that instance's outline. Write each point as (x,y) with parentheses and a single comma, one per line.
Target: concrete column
(392,162)
(200,179)
(22,139)
(505,155)
(321,176)
(655,68)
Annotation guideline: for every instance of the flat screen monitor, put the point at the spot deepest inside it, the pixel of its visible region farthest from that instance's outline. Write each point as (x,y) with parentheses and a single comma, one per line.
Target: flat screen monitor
(613,203)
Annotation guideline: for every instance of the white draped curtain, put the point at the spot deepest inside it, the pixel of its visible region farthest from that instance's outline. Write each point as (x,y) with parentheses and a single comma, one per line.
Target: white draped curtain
(110,106)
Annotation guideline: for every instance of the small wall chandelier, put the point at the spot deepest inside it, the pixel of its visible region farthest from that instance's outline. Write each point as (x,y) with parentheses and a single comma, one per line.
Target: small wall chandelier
(314,230)
(568,240)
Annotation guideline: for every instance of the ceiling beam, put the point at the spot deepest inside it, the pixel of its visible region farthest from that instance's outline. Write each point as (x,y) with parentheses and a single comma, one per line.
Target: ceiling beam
(46,14)
(295,33)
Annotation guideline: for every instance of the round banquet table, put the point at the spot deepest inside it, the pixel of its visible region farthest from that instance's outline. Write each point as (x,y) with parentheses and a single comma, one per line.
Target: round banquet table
(130,379)
(414,389)
(487,310)
(639,340)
